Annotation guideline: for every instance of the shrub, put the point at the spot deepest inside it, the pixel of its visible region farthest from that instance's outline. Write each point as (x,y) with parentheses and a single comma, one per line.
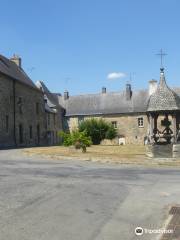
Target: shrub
(98,130)
(77,139)
(111,133)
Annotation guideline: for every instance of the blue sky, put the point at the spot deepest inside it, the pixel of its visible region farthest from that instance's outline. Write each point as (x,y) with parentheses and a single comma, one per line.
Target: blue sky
(75,44)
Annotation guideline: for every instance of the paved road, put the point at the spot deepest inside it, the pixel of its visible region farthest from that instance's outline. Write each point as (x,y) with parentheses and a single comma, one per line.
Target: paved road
(44,199)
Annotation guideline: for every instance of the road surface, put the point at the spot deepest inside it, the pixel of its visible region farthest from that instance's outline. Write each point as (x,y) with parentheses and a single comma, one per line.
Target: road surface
(43,199)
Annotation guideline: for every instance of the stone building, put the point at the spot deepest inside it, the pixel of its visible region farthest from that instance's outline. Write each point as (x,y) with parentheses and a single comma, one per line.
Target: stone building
(23,108)
(53,112)
(31,115)
(126,110)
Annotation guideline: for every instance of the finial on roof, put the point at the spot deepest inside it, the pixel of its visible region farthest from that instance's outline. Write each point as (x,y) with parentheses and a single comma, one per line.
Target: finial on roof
(161,54)
(162,77)
(162,70)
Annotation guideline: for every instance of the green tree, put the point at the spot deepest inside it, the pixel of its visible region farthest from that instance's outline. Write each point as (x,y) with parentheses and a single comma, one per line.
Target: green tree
(98,129)
(76,138)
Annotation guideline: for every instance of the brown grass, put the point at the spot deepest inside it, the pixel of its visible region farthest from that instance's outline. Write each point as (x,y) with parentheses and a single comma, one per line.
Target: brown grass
(128,154)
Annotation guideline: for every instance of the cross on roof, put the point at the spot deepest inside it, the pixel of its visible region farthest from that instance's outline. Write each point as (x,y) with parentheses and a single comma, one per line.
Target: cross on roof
(161,54)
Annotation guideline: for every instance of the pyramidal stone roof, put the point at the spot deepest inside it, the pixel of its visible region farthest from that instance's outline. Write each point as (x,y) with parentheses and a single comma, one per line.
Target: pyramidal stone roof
(164,99)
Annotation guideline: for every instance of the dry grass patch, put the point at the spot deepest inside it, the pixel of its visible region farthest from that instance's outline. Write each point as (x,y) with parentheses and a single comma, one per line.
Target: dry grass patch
(128,154)
(122,154)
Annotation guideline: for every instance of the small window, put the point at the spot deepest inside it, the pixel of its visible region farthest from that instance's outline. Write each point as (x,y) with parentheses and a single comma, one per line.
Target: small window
(20,133)
(20,105)
(48,118)
(37,108)
(140,122)
(38,134)
(54,119)
(30,132)
(7,123)
(114,123)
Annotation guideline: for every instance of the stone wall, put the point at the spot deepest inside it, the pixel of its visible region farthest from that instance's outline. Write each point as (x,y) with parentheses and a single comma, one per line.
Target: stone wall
(6,112)
(127,125)
(31,115)
(19,114)
(53,126)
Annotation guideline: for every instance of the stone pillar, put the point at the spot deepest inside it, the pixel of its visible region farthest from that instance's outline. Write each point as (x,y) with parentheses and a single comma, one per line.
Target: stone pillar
(151,128)
(155,122)
(174,127)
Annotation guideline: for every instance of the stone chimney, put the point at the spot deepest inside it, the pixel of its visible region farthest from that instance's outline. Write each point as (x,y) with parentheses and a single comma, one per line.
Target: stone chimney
(128,92)
(152,86)
(66,95)
(103,89)
(16,59)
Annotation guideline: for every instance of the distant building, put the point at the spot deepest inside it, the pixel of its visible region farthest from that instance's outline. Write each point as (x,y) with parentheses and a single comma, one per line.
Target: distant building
(125,110)
(54,113)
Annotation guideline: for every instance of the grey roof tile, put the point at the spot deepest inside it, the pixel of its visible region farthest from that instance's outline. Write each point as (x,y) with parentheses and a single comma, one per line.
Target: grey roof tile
(10,69)
(107,103)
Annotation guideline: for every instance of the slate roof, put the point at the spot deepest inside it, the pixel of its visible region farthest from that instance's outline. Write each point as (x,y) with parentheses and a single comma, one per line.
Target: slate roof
(10,69)
(164,99)
(105,103)
(49,109)
(52,102)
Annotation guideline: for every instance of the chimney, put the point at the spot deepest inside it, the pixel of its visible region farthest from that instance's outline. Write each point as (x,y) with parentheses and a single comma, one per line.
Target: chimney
(66,95)
(16,59)
(128,92)
(152,86)
(103,89)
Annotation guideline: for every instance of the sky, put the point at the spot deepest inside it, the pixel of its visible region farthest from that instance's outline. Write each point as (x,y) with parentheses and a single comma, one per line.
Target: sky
(83,45)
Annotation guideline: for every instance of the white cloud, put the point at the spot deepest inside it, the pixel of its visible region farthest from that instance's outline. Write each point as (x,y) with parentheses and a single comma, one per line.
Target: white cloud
(115,75)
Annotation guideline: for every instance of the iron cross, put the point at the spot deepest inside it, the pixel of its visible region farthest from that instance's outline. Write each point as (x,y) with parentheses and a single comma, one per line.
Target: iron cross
(161,54)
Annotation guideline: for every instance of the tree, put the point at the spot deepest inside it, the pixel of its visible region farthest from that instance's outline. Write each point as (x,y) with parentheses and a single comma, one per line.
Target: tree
(76,138)
(98,130)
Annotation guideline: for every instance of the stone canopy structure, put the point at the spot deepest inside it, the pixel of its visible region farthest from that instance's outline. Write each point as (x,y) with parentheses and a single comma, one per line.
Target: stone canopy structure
(164,102)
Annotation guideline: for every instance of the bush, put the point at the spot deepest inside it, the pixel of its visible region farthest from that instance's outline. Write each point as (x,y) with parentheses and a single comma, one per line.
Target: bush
(111,133)
(98,130)
(77,139)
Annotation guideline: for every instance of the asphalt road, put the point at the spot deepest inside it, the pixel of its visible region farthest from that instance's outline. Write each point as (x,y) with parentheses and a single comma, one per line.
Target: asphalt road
(44,199)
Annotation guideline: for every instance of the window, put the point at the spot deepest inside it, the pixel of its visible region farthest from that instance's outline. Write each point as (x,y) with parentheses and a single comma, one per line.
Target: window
(114,123)
(7,123)
(20,105)
(20,133)
(140,122)
(48,119)
(54,116)
(38,134)
(30,132)
(37,108)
